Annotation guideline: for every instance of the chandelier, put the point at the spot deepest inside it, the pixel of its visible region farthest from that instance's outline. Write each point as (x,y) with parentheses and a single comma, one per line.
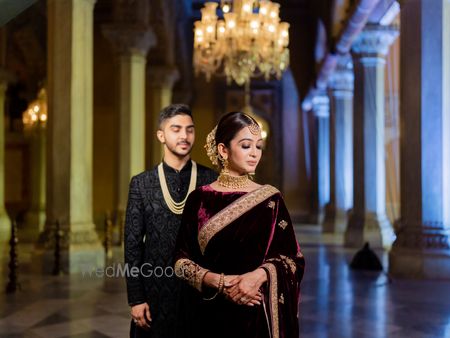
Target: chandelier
(36,113)
(249,42)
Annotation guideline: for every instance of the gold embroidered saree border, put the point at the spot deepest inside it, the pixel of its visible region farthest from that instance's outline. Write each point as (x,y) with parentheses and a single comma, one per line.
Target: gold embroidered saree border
(233,212)
(273,297)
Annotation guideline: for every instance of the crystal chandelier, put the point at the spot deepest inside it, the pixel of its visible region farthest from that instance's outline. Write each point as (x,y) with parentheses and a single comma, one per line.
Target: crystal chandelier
(250,41)
(36,113)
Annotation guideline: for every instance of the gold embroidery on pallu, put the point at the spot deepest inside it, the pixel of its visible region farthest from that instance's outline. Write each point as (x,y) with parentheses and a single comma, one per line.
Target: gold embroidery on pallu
(281,299)
(190,272)
(288,263)
(271,204)
(233,212)
(283,224)
(273,296)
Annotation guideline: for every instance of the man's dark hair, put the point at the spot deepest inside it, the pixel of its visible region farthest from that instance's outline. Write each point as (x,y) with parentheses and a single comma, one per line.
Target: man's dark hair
(173,110)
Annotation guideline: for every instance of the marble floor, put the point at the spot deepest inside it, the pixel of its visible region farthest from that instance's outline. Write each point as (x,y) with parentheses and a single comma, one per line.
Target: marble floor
(336,301)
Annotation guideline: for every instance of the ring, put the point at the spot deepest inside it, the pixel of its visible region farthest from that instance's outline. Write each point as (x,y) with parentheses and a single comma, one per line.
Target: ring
(243,300)
(135,320)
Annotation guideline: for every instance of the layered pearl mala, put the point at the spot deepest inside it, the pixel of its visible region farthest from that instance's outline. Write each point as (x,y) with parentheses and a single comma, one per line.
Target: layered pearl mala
(176,207)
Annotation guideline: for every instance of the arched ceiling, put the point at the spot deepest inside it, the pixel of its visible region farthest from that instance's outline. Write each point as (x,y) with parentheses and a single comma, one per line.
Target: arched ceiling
(26,47)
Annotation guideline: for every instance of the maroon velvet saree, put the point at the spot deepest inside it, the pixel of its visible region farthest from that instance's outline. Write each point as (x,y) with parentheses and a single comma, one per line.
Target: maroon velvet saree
(234,233)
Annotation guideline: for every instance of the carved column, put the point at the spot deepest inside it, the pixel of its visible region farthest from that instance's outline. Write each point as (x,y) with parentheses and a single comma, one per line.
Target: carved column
(368,221)
(131,44)
(341,147)
(422,247)
(35,217)
(5,223)
(70,139)
(295,192)
(321,162)
(161,80)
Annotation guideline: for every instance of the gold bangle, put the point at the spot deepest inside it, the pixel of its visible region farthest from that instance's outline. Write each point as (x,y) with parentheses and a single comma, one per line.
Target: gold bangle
(221,283)
(219,287)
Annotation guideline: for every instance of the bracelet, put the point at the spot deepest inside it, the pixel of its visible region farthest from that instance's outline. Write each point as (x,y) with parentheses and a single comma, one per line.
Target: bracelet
(219,287)
(221,283)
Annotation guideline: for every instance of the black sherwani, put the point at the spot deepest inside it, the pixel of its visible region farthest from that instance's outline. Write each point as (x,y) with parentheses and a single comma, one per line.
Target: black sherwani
(150,235)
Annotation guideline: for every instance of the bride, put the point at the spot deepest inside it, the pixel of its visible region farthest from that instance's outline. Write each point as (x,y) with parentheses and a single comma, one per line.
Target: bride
(236,247)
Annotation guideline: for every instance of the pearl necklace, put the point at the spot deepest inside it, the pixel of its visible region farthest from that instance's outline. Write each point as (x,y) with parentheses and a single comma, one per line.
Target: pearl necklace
(176,207)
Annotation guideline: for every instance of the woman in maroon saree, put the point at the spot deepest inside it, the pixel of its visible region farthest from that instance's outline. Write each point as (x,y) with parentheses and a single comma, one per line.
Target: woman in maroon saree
(236,247)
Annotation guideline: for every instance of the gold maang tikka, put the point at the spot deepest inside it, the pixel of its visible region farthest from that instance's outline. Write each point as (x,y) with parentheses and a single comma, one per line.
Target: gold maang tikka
(254,128)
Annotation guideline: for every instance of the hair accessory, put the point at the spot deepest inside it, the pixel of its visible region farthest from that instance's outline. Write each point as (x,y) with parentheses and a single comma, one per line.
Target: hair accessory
(254,128)
(211,147)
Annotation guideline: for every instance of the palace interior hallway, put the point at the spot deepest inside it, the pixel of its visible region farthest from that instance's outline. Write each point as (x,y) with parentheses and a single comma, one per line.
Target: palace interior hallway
(336,302)
(358,142)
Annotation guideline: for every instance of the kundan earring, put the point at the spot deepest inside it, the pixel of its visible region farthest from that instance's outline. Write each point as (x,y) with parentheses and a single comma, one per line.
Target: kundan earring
(224,162)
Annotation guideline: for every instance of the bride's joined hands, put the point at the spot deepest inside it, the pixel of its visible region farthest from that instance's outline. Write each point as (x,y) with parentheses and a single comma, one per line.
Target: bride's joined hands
(244,289)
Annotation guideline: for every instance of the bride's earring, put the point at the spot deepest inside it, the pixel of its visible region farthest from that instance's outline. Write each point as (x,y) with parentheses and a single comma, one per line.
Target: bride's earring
(224,162)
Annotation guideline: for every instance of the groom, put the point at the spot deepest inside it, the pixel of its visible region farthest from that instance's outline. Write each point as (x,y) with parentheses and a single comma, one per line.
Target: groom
(155,204)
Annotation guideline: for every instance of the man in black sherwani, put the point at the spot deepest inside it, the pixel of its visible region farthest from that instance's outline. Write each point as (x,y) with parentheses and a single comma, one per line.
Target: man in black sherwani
(155,203)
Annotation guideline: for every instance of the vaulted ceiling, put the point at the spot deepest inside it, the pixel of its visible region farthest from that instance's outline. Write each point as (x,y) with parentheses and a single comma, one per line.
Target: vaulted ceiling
(172,22)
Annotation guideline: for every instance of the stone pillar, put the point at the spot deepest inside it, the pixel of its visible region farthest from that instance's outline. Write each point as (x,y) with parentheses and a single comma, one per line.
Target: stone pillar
(131,45)
(294,174)
(5,223)
(161,80)
(368,221)
(422,247)
(35,217)
(341,147)
(321,163)
(70,139)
